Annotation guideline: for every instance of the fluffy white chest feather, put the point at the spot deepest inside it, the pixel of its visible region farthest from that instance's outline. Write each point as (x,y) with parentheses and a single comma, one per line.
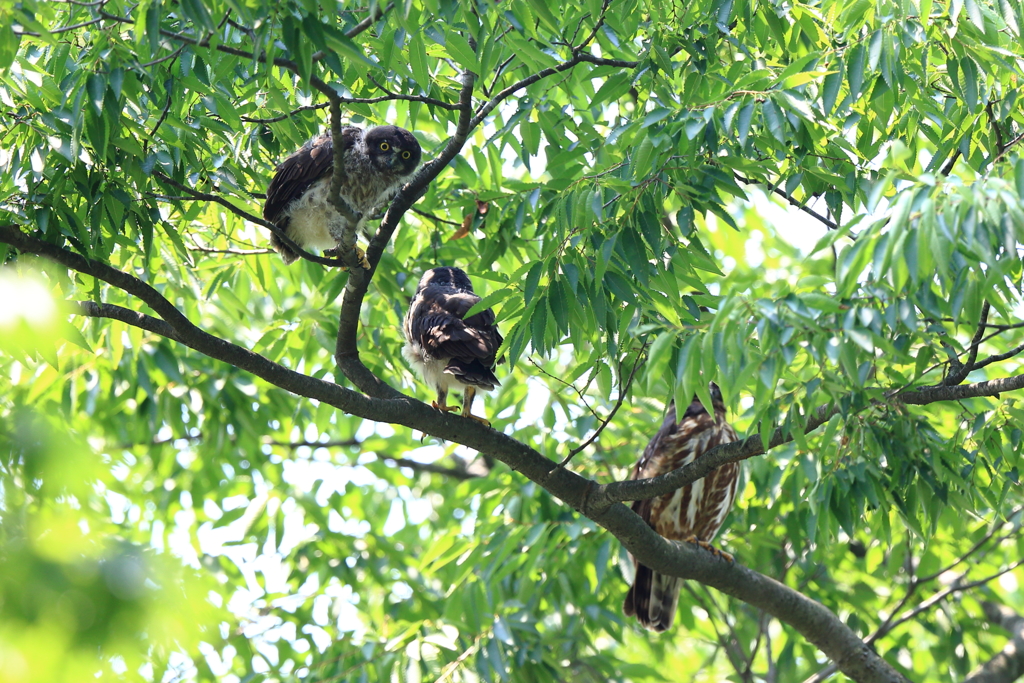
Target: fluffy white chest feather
(312,219)
(431,369)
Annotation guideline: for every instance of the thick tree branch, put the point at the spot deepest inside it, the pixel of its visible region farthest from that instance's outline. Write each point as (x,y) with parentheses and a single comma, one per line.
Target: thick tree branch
(642,489)
(1008,664)
(347,243)
(820,626)
(347,350)
(126,315)
(992,387)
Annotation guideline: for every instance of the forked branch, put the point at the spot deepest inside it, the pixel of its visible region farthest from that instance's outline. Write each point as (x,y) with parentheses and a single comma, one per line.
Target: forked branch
(819,625)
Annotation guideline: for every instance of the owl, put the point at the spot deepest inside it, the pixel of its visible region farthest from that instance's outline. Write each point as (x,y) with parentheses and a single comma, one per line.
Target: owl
(377,163)
(693,513)
(448,350)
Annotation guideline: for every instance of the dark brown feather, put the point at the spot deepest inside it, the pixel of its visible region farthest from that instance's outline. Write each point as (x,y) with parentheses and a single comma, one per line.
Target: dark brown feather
(300,170)
(652,597)
(435,323)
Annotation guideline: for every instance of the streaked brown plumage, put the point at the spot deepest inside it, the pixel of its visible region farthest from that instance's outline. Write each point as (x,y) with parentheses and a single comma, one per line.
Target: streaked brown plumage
(448,351)
(693,513)
(377,162)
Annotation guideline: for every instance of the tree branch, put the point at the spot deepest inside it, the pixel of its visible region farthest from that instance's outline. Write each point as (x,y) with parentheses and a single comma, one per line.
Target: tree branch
(390,95)
(293,112)
(128,316)
(642,489)
(819,625)
(347,243)
(999,357)
(461,472)
(961,372)
(623,390)
(346,349)
(252,218)
(1008,664)
(830,224)
(578,58)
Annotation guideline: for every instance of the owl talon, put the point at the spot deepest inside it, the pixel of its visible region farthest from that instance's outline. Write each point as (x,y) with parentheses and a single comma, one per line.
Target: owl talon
(360,257)
(710,548)
(481,420)
(363,261)
(444,408)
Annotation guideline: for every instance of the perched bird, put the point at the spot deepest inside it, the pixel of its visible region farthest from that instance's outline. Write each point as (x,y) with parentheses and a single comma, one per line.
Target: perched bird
(377,162)
(693,513)
(447,351)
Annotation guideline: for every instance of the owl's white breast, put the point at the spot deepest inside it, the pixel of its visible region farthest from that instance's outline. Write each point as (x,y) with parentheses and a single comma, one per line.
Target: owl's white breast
(431,369)
(310,216)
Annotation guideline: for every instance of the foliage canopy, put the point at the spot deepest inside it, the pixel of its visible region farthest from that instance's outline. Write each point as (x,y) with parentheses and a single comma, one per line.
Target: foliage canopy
(816,205)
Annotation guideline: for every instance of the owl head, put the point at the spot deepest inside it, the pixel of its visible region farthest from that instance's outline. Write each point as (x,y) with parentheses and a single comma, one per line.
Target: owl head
(392,149)
(447,277)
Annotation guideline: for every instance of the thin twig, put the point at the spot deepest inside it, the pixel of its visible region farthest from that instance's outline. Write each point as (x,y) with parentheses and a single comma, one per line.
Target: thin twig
(999,357)
(436,219)
(623,390)
(163,117)
(293,112)
(561,381)
(195,194)
(390,95)
(960,373)
(462,472)
(828,223)
(158,60)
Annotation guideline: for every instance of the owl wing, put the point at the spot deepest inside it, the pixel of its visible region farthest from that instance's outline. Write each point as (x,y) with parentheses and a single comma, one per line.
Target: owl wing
(696,509)
(470,345)
(299,171)
(650,463)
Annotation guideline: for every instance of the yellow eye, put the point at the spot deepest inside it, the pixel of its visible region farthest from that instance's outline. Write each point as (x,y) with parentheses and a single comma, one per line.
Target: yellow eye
(384,146)
(406,154)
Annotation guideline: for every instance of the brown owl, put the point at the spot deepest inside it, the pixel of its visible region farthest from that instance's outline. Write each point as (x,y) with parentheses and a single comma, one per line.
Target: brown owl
(448,350)
(693,513)
(377,162)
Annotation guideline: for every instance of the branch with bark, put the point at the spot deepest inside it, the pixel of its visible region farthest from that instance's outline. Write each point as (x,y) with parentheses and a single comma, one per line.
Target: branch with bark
(814,621)
(1008,664)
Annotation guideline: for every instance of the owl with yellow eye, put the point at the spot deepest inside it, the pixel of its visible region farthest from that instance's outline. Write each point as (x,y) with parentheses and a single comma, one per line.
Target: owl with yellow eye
(377,162)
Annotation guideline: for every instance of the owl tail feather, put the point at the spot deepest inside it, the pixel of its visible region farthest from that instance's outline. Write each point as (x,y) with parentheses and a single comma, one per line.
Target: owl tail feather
(473,373)
(652,599)
(284,250)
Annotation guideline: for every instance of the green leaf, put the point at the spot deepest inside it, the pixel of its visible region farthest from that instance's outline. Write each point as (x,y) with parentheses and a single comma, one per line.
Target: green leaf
(830,88)
(418,61)
(459,49)
(855,72)
(975,15)
(489,301)
(642,159)
(540,7)
(743,125)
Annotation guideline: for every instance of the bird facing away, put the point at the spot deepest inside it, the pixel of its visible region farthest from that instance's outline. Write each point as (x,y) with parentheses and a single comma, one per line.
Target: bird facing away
(447,351)
(693,513)
(377,162)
